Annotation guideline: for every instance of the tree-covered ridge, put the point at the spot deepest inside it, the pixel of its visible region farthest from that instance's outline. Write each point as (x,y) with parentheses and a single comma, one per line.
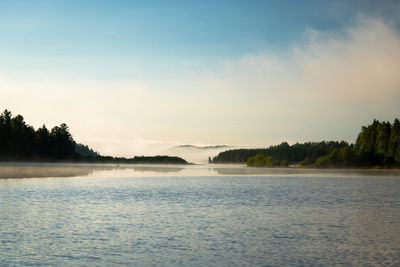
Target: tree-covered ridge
(21,142)
(377,145)
(283,152)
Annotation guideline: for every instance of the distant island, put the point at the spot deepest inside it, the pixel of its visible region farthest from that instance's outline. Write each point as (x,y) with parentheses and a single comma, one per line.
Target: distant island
(21,142)
(197,153)
(377,146)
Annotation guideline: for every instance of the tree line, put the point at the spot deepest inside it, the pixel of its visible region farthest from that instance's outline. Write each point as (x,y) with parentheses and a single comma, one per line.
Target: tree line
(282,152)
(260,160)
(377,145)
(21,142)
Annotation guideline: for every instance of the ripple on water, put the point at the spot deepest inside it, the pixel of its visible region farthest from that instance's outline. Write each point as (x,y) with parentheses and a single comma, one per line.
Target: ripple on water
(201,221)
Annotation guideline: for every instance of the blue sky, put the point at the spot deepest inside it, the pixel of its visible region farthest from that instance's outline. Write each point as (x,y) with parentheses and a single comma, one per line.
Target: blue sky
(125,39)
(197,71)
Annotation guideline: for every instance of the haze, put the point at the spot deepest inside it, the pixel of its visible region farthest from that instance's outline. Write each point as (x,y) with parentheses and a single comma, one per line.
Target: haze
(139,78)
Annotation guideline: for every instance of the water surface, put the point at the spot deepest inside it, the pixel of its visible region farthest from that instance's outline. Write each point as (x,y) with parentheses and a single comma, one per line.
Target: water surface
(199,216)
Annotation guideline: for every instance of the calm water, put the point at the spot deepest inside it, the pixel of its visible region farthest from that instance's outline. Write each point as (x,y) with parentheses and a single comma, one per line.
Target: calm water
(198,216)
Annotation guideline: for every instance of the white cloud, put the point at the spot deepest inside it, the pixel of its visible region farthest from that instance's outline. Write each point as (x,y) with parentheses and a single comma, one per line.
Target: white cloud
(325,87)
(327,83)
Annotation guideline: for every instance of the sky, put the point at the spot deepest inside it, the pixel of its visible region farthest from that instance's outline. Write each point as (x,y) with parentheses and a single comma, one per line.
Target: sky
(139,77)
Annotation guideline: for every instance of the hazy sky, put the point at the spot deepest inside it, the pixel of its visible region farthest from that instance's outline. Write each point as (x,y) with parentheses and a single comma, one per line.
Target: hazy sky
(137,77)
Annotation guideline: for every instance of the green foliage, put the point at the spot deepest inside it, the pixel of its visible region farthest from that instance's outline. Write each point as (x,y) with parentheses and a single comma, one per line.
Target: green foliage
(307,162)
(344,157)
(377,145)
(260,160)
(394,142)
(284,152)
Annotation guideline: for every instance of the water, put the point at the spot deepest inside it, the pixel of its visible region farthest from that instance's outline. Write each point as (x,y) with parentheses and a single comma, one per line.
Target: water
(198,216)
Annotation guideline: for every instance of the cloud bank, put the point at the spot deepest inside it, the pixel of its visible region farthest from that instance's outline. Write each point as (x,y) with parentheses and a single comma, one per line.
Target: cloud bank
(325,87)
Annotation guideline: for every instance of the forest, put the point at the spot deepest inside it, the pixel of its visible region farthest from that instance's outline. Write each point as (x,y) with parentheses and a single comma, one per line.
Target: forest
(21,142)
(377,145)
(290,153)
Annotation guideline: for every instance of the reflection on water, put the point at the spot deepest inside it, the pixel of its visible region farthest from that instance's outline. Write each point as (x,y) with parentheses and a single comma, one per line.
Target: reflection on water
(241,170)
(157,168)
(41,170)
(198,215)
(113,219)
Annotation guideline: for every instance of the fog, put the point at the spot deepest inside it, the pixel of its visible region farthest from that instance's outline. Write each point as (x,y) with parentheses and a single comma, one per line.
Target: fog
(196,154)
(56,170)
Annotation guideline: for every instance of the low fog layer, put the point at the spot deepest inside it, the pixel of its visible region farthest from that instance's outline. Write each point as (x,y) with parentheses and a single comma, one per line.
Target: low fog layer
(196,154)
(20,170)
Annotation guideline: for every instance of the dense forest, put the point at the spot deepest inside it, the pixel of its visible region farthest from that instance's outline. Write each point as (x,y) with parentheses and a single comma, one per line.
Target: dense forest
(283,152)
(377,145)
(21,142)
(260,160)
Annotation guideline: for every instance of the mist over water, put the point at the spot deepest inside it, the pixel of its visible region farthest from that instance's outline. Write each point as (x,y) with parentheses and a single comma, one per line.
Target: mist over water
(196,154)
(81,170)
(199,215)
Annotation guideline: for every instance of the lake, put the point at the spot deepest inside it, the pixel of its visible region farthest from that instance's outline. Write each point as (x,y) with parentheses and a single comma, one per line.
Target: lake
(198,215)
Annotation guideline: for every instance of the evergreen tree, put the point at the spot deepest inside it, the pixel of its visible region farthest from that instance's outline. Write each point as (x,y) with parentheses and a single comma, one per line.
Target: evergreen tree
(61,141)
(394,142)
(42,142)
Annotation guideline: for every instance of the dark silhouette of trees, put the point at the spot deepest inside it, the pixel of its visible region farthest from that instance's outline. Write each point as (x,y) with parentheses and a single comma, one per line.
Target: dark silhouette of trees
(157,160)
(42,142)
(5,134)
(61,142)
(84,150)
(21,142)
